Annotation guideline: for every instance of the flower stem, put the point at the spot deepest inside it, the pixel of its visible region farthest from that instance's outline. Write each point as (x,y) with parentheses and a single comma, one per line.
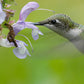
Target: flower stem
(11,34)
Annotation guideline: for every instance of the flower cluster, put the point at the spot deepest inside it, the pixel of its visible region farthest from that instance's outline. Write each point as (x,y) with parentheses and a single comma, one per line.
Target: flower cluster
(20,49)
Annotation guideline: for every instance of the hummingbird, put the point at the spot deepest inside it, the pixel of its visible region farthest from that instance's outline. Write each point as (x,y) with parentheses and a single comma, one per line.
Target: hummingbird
(67,28)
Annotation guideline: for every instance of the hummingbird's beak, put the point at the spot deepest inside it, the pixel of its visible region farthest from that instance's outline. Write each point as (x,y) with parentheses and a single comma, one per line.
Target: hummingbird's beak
(37,23)
(41,22)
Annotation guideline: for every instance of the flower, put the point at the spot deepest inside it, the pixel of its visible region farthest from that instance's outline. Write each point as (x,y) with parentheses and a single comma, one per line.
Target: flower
(2,14)
(21,24)
(20,51)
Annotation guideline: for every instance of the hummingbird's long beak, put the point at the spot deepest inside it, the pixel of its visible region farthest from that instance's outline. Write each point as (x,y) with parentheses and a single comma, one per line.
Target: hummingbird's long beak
(41,22)
(37,23)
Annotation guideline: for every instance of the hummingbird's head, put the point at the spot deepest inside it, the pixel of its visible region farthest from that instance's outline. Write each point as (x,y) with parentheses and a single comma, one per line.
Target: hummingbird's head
(58,22)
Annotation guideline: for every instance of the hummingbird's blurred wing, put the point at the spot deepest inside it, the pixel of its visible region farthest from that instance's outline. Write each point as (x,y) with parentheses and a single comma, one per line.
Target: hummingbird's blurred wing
(78,42)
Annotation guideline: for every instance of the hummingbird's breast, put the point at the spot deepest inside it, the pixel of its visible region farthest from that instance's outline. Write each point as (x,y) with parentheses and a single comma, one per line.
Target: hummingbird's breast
(72,33)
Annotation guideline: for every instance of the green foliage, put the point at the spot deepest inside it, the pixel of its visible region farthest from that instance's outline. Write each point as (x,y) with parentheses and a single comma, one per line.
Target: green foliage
(3,24)
(6,1)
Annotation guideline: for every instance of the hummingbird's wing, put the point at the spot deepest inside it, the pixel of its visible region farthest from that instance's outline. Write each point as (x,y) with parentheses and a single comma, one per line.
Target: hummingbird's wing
(77,42)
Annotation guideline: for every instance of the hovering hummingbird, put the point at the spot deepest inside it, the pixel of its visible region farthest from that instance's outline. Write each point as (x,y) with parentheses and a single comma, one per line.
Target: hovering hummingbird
(64,26)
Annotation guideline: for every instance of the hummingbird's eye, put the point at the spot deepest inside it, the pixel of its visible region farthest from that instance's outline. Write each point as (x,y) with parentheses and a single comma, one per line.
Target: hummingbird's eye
(53,21)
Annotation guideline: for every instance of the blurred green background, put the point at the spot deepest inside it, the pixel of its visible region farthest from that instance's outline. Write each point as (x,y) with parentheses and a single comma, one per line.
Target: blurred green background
(54,60)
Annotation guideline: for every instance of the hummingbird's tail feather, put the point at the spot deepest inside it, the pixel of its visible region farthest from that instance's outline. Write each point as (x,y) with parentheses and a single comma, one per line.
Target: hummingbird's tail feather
(79,44)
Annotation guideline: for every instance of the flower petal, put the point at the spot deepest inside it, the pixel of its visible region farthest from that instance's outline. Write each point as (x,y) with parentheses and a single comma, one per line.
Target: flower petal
(30,25)
(35,30)
(21,51)
(39,32)
(21,25)
(0,7)
(5,43)
(17,27)
(12,22)
(2,14)
(2,17)
(27,9)
(35,34)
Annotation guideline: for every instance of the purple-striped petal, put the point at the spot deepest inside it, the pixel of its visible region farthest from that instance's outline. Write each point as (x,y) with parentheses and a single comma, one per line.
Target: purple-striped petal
(27,9)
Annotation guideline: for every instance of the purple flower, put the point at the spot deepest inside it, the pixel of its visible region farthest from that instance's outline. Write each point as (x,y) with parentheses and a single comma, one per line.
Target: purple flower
(20,51)
(21,24)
